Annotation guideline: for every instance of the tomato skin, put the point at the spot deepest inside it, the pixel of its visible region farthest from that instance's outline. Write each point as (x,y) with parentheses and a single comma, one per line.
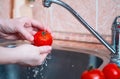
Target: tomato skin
(92,74)
(42,38)
(111,71)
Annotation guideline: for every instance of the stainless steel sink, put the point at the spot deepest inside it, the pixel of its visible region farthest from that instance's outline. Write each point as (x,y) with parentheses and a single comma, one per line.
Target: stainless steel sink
(60,64)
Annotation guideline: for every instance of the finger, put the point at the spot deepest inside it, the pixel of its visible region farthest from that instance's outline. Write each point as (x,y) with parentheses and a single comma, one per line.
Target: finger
(33,32)
(12,37)
(47,29)
(43,57)
(37,24)
(26,34)
(45,49)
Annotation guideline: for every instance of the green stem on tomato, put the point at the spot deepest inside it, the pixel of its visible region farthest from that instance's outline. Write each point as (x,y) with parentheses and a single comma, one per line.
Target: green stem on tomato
(43,33)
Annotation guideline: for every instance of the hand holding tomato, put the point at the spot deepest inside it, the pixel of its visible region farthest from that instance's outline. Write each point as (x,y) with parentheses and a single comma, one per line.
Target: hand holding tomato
(111,71)
(92,74)
(42,38)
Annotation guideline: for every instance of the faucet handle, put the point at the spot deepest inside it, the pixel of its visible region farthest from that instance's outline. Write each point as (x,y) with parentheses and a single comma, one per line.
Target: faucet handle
(116,34)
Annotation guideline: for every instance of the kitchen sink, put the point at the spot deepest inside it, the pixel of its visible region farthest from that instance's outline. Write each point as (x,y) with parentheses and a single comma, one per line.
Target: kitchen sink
(60,64)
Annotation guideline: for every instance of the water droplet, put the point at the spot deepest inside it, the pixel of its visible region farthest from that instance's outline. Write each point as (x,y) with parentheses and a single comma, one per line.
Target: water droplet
(38,71)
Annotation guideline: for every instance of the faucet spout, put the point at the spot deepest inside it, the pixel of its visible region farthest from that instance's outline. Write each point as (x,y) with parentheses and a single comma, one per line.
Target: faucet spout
(47,3)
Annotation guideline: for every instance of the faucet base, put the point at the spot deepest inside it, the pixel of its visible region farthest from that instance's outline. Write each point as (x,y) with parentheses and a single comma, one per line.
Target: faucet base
(116,60)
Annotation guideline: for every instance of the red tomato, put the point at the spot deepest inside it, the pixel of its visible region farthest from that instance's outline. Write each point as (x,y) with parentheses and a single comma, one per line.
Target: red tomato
(42,38)
(111,71)
(92,74)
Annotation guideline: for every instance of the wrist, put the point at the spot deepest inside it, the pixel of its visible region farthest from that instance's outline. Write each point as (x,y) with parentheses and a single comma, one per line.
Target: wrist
(8,56)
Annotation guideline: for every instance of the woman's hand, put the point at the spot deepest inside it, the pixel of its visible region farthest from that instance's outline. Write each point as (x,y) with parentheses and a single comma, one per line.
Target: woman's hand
(30,55)
(24,29)
(20,28)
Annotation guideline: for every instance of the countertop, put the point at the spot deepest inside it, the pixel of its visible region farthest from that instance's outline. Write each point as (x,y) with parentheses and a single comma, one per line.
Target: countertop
(96,49)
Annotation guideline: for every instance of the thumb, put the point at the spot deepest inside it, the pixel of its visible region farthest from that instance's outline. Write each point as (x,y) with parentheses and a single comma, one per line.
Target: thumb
(45,49)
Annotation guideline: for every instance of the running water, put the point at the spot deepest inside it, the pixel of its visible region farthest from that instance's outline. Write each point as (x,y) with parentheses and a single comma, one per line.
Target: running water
(37,72)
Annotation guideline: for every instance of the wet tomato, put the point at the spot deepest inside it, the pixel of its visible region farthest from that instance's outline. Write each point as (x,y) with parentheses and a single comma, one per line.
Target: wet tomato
(42,38)
(111,71)
(92,74)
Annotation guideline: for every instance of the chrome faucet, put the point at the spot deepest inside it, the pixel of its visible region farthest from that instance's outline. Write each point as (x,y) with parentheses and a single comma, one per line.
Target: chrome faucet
(113,48)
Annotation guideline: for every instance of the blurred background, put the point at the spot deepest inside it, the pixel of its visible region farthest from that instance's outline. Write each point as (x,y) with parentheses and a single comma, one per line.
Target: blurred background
(98,13)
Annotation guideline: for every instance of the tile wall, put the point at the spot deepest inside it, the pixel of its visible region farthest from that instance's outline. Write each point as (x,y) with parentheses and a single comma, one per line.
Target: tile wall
(99,14)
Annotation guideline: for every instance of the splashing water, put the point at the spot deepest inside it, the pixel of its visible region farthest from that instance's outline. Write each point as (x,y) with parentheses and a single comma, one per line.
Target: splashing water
(37,72)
